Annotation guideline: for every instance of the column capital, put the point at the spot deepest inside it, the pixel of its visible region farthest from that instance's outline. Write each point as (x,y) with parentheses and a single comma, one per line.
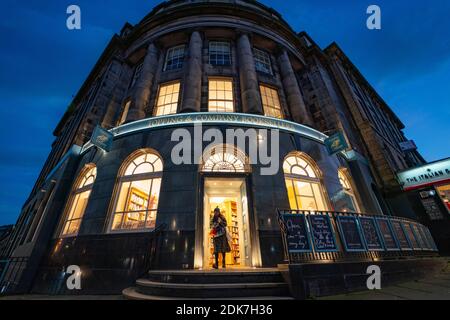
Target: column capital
(241,32)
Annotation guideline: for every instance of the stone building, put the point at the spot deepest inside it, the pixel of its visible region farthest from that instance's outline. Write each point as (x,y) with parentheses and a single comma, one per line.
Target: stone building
(226,64)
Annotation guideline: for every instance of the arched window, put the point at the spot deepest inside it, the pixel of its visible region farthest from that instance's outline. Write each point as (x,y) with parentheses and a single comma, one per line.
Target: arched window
(224,158)
(138,188)
(78,200)
(349,199)
(303,184)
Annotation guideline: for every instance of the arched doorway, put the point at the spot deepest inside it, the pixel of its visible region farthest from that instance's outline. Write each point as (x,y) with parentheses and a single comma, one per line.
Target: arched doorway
(224,170)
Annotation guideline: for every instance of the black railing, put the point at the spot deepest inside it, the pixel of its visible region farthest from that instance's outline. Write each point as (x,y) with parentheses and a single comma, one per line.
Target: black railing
(151,259)
(10,272)
(304,243)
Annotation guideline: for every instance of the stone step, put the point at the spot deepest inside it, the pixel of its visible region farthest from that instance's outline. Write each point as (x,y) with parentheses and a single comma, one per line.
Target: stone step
(211,290)
(215,276)
(132,294)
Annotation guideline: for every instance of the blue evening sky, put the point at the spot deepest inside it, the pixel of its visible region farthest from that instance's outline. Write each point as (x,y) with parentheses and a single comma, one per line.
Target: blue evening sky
(42,65)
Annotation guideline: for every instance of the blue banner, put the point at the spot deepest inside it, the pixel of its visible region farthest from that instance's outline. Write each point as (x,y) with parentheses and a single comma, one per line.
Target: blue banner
(102,138)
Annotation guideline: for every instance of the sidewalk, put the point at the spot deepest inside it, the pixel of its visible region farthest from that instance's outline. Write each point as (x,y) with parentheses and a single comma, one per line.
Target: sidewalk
(432,288)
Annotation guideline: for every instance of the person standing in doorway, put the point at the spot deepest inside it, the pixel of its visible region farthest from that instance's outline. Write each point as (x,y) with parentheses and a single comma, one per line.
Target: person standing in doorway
(219,233)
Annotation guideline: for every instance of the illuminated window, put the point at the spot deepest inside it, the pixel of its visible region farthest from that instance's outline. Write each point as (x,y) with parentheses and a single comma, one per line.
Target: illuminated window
(348,200)
(138,192)
(167,101)
(262,61)
(224,158)
(271,102)
(125,110)
(174,58)
(220,95)
(78,201)
(303,185)
(219,53)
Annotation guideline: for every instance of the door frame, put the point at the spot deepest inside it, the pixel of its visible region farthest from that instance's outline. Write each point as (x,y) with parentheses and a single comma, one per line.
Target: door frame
(255,258)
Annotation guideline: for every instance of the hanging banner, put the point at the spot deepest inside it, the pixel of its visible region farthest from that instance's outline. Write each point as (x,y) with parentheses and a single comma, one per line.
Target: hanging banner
(102,138)
(336,143)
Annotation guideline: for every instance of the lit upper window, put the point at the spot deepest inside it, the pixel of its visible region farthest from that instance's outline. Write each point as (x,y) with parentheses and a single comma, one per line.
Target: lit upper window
(271,102)
(174,58)
(219,53)
(220,95)
(78,201)
(305,191)
(138,192)
(167,101)
(124,114)
(262,61)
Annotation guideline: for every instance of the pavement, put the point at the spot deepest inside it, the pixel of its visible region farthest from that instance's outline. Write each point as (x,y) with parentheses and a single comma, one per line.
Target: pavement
(436,287)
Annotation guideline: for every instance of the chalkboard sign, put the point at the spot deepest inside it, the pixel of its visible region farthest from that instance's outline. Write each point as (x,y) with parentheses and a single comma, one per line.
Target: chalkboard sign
(371,235)
(297,239)
(402,238)
(420,240)
(411,235)
(350,233)
(432,208)
(430,239)
(322,233)
(387,235)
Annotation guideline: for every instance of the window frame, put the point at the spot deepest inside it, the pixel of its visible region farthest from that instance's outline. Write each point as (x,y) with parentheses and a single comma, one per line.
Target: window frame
(317,180)
(277,91)
(125,110)
(351,194)
(229,53)
(179,65)
(233,100)
(256,57)
(224,149)
(123,179)
(155,108)
(136,73)
(71,205)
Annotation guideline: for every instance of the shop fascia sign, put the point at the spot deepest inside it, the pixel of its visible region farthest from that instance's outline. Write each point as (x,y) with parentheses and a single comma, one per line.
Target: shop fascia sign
(428,174)
(238,119)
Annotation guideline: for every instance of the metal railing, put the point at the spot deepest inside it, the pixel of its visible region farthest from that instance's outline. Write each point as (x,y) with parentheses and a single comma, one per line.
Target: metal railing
(311,254)
(152,257)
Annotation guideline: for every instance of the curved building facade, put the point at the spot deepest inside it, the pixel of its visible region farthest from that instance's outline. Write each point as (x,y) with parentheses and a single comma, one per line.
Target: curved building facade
(197,66)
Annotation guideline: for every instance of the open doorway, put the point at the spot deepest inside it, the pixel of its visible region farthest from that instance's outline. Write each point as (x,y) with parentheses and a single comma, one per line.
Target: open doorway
(230,195)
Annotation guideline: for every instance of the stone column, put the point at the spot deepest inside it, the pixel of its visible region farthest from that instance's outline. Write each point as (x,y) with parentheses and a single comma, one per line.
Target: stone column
(294,97)
(251,98)
(192,79)
(143,87)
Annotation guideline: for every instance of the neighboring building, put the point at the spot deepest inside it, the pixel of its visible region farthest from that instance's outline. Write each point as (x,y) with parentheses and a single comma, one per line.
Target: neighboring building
(428,190)
(227,64)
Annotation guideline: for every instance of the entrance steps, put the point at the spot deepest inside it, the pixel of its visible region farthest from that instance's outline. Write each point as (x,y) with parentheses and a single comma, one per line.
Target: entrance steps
(212,284)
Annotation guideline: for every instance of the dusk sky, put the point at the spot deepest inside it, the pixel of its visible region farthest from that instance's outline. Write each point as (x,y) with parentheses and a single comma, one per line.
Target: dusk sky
(43,64)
